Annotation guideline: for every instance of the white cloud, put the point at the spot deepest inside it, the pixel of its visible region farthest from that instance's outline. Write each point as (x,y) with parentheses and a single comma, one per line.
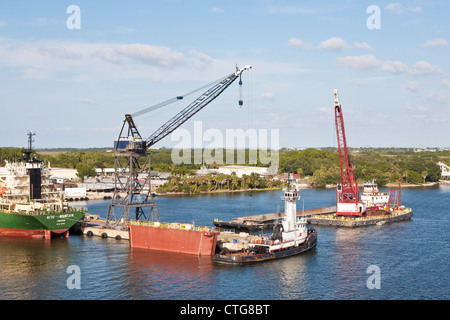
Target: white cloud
(200,56)
(394,67)
(153,55)
(107,56)
(125,30)
(416,108)
(102,61)
(446,83)
(370,62)
(413,86)
(437,98)
(435,43)
(396,7)
(334,44)
(363,45)
(424,68)
(367,62)
(61,52)
(217,10)
(298,43)
(268,96)
(416,9)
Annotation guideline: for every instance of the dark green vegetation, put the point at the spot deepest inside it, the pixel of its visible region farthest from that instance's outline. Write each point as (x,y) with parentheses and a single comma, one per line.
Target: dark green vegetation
(318,167)
(384,165)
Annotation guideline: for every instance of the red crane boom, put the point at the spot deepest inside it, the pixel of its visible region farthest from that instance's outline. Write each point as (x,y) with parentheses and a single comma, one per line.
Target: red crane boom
(348,201)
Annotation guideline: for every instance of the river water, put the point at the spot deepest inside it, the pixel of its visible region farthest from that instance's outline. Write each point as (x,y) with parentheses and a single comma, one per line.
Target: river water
(410,258)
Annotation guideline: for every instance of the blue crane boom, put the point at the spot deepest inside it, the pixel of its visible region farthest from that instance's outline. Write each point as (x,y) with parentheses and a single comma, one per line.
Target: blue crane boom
(133,141)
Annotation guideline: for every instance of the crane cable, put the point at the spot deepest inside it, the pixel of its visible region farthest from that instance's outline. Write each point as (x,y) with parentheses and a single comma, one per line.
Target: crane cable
(173,100)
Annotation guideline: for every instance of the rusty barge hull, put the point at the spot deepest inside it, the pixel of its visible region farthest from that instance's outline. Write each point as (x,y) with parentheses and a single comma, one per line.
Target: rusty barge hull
(196,242)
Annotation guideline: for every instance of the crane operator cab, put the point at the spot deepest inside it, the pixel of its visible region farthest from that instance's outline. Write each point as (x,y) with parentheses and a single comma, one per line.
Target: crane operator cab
(130,144)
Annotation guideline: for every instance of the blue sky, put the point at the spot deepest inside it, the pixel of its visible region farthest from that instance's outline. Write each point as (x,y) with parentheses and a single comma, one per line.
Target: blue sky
(74,86)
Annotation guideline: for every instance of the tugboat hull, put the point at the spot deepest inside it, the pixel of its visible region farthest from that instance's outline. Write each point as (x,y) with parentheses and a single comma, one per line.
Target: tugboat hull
(244,258)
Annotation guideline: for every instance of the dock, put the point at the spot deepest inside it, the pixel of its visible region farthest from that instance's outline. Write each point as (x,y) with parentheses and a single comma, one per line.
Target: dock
(93,226)
(267,221)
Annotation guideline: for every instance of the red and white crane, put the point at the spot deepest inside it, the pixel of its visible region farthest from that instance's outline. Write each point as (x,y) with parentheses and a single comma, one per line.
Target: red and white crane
(348,202)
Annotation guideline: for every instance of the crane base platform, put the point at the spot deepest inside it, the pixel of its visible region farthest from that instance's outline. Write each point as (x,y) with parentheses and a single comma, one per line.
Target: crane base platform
(332,220)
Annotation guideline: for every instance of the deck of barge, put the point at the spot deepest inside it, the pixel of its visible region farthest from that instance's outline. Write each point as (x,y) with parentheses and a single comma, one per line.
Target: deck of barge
(266,221)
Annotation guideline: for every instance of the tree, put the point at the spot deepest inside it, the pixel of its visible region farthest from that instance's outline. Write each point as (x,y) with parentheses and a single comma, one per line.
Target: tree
(414,177)
(84,170)
(424,175)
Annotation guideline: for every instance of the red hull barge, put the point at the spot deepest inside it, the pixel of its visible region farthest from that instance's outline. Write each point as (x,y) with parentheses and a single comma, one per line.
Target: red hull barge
(173,237)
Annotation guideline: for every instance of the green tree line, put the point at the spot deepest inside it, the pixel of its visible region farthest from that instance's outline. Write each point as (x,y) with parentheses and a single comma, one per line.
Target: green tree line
(384,165)
(219,182)
(318,166)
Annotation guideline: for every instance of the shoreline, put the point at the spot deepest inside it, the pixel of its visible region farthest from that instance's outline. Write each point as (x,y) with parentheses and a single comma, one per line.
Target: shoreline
(215,191)
(302,186)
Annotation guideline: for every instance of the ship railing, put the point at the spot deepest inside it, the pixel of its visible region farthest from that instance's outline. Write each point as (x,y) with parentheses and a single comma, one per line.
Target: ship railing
(47,212)
(170,225)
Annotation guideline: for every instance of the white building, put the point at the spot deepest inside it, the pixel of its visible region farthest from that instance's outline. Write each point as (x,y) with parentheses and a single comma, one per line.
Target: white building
(241,170)
(445,170)
(63,173)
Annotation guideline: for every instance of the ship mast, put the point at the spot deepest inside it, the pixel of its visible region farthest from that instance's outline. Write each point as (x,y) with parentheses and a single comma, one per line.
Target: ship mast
(27,152)
(34,170)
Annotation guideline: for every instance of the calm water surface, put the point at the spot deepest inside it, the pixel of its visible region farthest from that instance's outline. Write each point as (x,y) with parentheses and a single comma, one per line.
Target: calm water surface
(413,257)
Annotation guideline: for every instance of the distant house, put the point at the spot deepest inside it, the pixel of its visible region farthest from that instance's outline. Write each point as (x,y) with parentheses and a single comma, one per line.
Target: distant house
(203,171)
(445,170)
(241,170)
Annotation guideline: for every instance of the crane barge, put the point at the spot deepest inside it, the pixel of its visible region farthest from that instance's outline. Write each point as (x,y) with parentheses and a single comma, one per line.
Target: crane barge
(132,181)
(352,209)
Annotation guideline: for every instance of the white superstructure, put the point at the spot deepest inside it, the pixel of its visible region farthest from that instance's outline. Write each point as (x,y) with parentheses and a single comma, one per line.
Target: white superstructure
(372,197)
(15,188)
(293,228)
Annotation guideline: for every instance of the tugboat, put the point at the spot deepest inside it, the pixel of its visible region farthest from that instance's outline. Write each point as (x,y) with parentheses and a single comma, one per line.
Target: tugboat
(28,205)
(291,236)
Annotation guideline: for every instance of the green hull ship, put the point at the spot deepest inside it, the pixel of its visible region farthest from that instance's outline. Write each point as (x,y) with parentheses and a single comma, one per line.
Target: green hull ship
(40,225)
(29,204)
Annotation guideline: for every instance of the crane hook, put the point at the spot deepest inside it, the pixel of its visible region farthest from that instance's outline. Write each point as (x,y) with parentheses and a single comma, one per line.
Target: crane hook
(241,102)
